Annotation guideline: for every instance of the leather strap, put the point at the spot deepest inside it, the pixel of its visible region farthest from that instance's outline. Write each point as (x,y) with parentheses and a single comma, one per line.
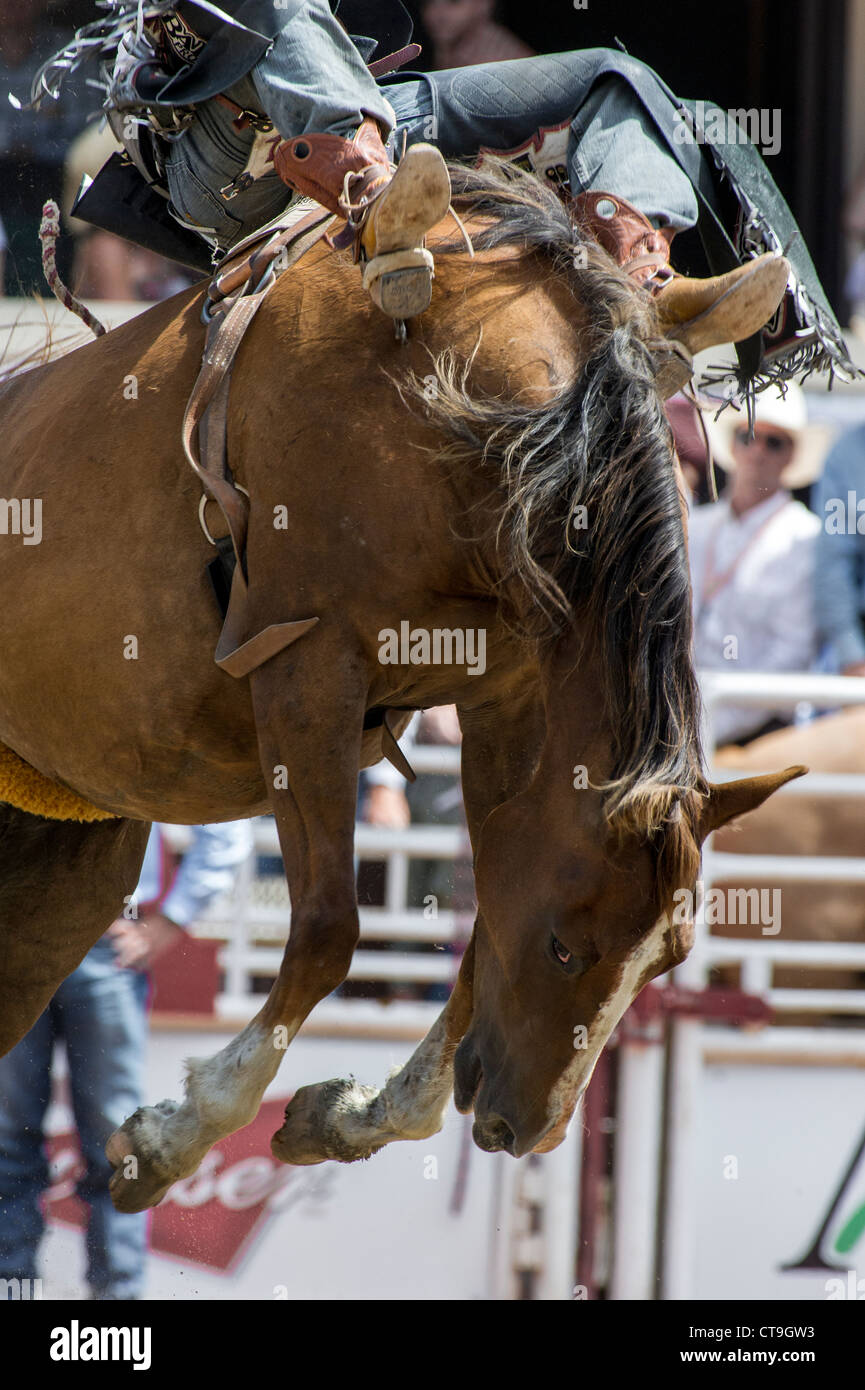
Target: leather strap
(627,235)
(391,749)
(382,66)
(204,433)
(229,318)
(243,116)
(224,335)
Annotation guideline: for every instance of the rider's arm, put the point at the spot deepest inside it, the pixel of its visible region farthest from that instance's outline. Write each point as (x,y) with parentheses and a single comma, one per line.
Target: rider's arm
(207,869)
(312,78)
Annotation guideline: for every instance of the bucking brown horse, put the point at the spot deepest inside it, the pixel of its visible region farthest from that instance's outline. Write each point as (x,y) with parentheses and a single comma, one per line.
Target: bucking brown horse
(507,471)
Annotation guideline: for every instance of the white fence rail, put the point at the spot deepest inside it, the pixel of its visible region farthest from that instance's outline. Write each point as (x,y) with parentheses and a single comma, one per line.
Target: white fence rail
(824,692)
(690,1039)
(255,920)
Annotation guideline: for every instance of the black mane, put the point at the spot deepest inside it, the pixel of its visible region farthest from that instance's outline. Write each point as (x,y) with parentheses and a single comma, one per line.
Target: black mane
(602,443)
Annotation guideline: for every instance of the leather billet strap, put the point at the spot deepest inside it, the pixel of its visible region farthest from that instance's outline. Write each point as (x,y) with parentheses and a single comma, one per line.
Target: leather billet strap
(233,299)
(389,746)
(231,305)
(383,66)
(204,434)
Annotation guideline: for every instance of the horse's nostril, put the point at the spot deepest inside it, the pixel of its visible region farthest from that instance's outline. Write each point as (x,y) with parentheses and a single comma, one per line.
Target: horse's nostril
(494,1134)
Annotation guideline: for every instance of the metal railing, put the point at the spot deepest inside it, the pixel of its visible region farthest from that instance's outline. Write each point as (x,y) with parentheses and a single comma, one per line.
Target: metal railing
(758,957)
(690,1038)
(255,919)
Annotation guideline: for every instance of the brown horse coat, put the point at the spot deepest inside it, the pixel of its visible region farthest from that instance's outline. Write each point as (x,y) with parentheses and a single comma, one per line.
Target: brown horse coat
(529,492)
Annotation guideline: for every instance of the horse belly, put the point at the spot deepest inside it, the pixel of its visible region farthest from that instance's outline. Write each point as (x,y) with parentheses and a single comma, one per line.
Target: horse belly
(107,622)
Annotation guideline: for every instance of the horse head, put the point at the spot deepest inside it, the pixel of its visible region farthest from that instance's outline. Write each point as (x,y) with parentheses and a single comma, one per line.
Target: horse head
(578,911)
(580,874)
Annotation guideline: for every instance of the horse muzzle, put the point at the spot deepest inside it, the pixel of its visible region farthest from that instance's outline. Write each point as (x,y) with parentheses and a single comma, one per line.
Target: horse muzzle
(492,1131)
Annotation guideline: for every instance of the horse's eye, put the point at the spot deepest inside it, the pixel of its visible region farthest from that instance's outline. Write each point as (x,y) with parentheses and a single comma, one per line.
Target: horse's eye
(561,952)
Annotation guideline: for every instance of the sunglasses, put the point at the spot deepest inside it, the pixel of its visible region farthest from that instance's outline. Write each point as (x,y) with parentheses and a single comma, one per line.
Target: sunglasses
(775,443)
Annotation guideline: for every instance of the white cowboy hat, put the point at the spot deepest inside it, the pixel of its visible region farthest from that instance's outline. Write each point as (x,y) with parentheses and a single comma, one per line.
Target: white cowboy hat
(786,411)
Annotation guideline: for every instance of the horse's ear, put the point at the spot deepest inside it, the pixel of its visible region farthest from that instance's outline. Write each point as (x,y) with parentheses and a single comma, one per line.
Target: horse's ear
(727,800)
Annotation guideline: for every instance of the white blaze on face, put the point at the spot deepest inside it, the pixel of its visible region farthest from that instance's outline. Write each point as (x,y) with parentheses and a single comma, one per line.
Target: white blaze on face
(646,956)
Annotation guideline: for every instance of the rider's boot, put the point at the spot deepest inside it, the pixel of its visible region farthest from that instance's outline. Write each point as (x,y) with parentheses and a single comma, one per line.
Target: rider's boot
(388,213)
(694,314)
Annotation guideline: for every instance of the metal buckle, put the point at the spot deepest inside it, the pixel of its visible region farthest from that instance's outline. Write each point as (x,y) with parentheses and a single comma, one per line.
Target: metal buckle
(267,275)
(202,505)
(239,184)
(256,120)
(263,125)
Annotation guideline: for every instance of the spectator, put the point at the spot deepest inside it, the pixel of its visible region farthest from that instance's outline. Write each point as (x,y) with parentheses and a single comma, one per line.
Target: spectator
(752,558)
(840,579)
(100,1012)
(465,32)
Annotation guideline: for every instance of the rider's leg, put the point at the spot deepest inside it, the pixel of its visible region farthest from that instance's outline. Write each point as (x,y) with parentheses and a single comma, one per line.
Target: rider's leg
(614,148)
(313,85)
(311,79)
(388,214)
(611,147)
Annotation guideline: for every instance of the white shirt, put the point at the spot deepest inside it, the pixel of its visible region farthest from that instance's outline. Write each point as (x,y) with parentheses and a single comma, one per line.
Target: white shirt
(752,579)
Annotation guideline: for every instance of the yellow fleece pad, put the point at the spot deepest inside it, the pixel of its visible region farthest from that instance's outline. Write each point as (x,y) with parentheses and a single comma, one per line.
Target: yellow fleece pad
(22,786)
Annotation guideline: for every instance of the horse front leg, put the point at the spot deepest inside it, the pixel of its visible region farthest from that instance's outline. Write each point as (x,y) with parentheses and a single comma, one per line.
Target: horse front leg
(345,1121)
(310,757)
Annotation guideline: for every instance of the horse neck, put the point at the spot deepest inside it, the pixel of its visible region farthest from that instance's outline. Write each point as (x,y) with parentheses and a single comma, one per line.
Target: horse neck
(577,753)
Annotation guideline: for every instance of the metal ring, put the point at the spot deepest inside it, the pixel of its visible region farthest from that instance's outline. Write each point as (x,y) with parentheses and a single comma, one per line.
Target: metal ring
(202,505)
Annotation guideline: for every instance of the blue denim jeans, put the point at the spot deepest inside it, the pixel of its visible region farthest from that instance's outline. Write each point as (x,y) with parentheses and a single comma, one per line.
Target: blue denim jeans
(610,145)
(100,1014)
(313,79)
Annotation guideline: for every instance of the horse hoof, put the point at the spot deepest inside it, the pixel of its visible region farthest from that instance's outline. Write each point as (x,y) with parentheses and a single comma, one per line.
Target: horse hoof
(139,1180)
(133,1195)
(311,1132)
